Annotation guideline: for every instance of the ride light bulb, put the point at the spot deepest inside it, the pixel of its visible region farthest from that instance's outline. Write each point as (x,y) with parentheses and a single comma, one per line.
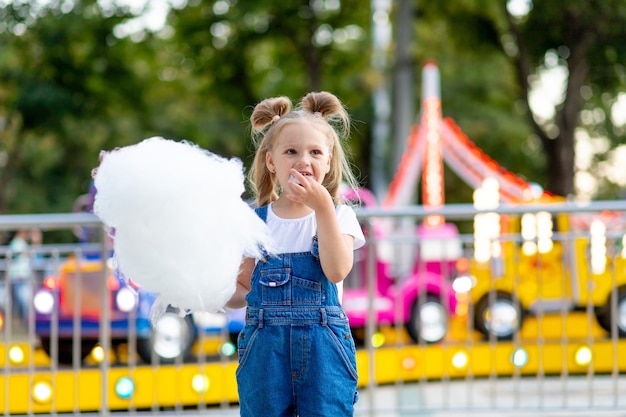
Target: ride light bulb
(378,339)
(42,392)
(463,284)
(519,358)
(97,353)
(409,363)
(125,299)
(200,383)
(16,355)
(583,356)
(43,302)
(125,387)
(460,360)
(228,349)
(50,282)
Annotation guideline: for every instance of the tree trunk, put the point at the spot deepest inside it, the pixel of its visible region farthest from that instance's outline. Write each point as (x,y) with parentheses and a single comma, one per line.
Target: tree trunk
(561,157)
(559,150)
(404,115)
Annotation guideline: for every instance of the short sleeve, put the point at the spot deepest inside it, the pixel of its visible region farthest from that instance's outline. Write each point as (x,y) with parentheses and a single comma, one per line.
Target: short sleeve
(349,225)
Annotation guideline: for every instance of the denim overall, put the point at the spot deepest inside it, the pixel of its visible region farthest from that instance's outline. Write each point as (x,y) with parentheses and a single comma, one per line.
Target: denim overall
(296,353)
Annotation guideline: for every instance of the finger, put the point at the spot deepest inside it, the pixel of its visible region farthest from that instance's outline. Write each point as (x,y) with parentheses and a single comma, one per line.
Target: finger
(294,188)
(299,177)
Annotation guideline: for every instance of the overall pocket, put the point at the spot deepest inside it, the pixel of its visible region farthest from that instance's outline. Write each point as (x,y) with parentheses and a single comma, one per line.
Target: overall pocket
(341,335)
(275,287)
(305,292)
(244,344)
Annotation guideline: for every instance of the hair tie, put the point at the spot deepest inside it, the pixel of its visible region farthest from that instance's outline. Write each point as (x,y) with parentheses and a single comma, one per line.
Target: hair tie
(275,117)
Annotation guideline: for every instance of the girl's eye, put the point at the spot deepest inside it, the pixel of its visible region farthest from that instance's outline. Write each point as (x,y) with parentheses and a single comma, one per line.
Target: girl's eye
(290,151)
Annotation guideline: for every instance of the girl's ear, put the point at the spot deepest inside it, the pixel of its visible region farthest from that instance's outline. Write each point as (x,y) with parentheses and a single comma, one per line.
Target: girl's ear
(269,163)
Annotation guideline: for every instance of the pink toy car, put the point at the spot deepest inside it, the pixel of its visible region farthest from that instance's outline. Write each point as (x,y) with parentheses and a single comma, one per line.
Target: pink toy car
(413,282)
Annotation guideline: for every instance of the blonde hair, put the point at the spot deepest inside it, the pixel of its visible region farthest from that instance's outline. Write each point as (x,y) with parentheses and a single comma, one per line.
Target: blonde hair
(322,110)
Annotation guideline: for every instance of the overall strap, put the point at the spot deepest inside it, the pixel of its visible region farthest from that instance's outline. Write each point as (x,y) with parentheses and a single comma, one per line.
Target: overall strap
(262,212)
(315,250)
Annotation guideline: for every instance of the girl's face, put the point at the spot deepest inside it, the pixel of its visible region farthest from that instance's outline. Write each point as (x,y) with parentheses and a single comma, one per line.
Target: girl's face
(302,147)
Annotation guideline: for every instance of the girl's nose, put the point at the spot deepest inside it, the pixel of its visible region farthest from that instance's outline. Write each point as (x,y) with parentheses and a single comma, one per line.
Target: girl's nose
(303,160)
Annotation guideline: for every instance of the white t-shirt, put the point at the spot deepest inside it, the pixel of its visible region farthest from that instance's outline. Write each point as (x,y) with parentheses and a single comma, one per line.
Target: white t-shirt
(296,235)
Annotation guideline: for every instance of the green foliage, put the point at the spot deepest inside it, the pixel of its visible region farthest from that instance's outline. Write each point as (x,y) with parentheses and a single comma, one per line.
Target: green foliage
(587,39)
(78,88)
(58,71)
(72,84)
(488,58)
(247,50)
(478,86)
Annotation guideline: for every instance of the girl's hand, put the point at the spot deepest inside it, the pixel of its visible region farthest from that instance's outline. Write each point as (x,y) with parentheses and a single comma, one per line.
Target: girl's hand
(306,190)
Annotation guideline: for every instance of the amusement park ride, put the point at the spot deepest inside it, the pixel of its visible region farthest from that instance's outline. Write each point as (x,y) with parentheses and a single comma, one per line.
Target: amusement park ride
(537,274)
(512,288)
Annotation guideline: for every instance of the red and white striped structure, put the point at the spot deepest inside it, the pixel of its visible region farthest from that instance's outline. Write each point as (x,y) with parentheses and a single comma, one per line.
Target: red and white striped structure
(436,141)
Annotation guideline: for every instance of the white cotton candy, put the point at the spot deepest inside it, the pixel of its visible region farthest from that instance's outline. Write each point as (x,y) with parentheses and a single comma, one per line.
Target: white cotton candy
(180,224)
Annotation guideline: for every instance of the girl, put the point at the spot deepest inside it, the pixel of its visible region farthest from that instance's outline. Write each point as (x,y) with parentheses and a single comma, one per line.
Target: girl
(296,353)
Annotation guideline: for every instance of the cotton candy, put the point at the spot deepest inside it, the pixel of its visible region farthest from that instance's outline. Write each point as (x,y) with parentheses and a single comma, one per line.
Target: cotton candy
(179,223)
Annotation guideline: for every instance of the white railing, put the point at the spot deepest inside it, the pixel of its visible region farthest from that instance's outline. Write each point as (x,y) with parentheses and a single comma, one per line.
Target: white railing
(566,356)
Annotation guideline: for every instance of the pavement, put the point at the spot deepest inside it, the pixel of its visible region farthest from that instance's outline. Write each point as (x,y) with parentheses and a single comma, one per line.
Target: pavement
(574,396)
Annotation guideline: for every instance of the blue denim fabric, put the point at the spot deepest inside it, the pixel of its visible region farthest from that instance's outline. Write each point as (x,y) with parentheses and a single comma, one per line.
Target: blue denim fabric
(296,352)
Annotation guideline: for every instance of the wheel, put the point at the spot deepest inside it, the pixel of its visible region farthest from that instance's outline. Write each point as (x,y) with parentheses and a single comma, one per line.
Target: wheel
(428,321)
(66,349)
(172,337)
(499,315)
(604,316)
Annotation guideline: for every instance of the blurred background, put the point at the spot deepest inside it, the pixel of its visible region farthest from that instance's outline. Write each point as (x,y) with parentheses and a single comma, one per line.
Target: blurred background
(538,88)
(537,85)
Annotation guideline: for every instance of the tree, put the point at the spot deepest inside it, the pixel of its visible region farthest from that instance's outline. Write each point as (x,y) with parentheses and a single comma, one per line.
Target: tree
(478,86)
(59,109)
(586,37)
(583,37)
(248,50)
(73,84)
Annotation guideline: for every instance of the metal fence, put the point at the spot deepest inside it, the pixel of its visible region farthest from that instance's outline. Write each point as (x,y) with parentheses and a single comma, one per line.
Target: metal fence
(516,310)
